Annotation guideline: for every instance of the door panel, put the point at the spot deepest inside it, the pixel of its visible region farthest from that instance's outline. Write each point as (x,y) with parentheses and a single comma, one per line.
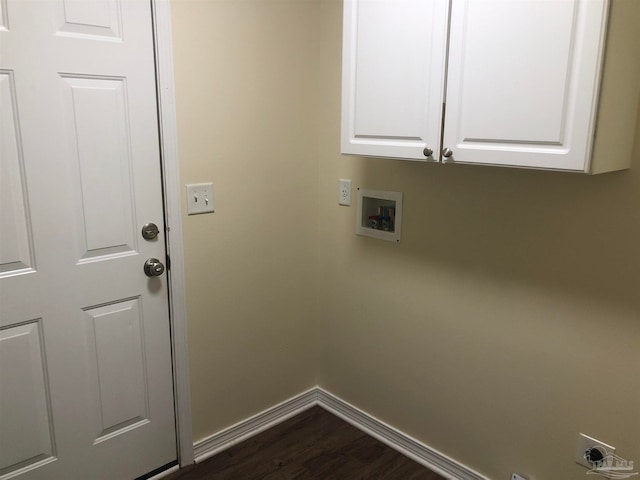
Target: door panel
(80,176)
(94,19)
(101,145)
(521,81)
(119,389)
(26,436)
(495,82)
(15,236)
(3,15)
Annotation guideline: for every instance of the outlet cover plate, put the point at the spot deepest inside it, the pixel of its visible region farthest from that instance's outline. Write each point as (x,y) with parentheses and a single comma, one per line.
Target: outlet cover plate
(585,442)
(345,192)
(199,198)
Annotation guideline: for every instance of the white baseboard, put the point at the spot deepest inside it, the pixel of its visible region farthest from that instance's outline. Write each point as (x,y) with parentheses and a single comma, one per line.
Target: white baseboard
(245,429)
(394,438)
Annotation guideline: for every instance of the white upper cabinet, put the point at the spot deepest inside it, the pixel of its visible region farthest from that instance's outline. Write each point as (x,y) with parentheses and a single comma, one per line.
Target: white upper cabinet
(393,77)
(522,81)
(519,86)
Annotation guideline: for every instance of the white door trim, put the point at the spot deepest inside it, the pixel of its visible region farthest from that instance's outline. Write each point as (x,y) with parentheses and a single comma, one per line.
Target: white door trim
(171,180)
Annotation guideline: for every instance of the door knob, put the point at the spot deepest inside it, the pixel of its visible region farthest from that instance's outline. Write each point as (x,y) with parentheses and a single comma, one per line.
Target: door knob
(153,267)
(447,152)
(427,152)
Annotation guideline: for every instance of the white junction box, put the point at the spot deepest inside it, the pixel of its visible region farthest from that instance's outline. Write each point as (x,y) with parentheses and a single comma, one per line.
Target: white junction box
(199,198)
(379,214)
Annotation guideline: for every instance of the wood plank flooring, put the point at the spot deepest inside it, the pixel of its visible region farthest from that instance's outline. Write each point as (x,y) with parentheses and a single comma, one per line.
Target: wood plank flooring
(314,445)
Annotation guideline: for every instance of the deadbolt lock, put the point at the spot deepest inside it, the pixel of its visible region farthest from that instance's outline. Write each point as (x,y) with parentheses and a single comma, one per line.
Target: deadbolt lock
(150,231)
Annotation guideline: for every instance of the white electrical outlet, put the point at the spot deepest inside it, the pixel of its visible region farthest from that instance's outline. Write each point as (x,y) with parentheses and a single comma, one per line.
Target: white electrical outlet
(199,198)
(585,443)
(345,192)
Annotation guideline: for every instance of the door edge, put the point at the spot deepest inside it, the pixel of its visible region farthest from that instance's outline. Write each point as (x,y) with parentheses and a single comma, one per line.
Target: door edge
(161,10)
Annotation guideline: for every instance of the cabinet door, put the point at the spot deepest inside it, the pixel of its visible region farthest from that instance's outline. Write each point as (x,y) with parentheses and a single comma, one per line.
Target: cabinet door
(523,80)
(393,77)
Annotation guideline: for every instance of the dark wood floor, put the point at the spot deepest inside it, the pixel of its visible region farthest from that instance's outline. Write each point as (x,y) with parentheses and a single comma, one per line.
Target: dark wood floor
(312,445)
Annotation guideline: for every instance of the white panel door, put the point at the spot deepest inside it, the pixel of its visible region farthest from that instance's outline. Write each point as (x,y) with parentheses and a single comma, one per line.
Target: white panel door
(522,81)
(86,387)
(393,77)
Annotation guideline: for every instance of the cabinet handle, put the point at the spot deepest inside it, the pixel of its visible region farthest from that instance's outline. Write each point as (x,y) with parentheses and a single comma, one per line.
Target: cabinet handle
(447,152)
(427,152)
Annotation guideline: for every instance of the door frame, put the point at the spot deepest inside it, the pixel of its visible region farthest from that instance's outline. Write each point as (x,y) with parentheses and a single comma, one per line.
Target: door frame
(161,10)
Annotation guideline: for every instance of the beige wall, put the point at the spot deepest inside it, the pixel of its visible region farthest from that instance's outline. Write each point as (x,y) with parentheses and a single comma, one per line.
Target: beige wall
(507,320)
(245,86)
